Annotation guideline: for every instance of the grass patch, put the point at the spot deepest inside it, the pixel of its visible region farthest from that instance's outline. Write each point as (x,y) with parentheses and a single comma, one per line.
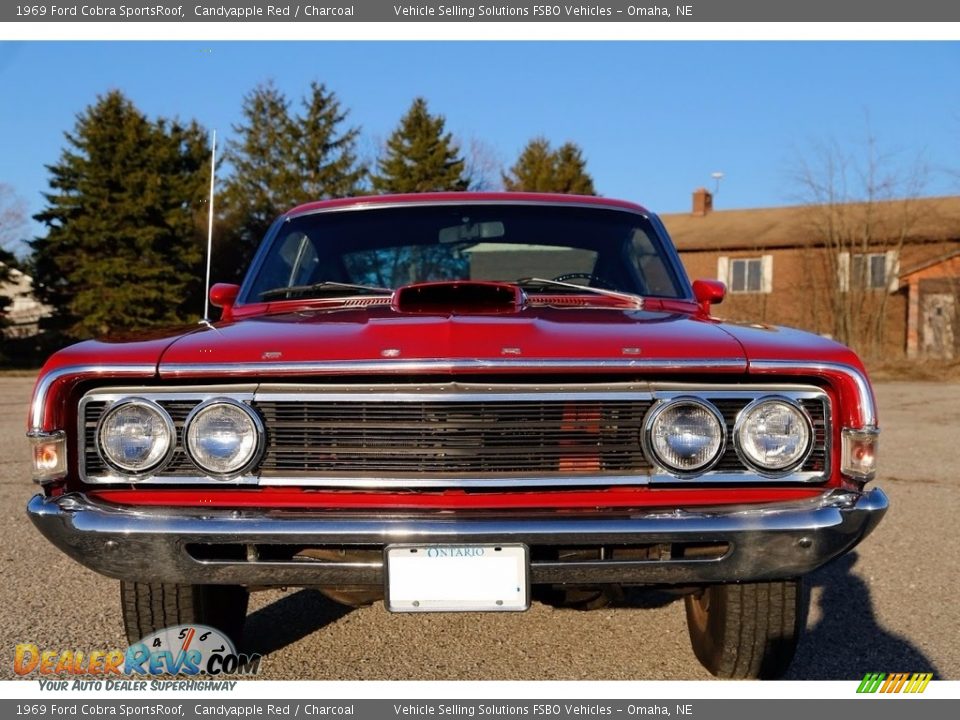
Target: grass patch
(915,370)
(18,373)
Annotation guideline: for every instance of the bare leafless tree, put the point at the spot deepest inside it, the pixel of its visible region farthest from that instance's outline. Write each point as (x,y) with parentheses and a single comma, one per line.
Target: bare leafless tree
(13,227)
(13,217)
(860,206)
(483,165)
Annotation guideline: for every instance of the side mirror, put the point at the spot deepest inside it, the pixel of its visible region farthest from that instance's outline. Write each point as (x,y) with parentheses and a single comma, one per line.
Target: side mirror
(707,293)
(224,295)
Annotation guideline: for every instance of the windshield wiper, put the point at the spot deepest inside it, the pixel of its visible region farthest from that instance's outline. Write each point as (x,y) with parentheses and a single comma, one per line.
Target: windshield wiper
(321,287)
(545,282)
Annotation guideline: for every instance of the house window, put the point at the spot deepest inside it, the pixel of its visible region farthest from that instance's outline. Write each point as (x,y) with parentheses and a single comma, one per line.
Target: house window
(746,275)
(869,271)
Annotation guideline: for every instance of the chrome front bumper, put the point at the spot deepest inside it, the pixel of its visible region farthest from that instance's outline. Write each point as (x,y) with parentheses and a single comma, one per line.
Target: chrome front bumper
(154,544)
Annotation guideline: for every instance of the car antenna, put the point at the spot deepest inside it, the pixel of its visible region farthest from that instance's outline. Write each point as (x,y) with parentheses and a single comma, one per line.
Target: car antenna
(206,287)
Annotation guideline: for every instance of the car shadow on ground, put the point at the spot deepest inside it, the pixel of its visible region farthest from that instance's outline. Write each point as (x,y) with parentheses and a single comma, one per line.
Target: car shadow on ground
(638,598)
(288,620)
(847,641)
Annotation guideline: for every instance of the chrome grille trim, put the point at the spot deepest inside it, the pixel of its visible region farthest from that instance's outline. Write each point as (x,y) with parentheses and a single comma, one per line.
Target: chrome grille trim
(489,451)
(478,365)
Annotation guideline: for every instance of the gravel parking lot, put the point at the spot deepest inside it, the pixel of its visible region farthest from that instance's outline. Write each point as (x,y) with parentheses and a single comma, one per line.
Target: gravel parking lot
(889,606)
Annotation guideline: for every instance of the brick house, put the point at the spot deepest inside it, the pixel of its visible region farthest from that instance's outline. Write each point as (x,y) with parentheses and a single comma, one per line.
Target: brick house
(24,311)
(883,276)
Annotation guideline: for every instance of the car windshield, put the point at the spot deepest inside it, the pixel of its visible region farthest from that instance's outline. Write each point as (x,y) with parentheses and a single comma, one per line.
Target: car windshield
(377,249)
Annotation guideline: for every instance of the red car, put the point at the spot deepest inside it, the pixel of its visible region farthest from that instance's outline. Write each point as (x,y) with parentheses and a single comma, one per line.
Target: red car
(458,402)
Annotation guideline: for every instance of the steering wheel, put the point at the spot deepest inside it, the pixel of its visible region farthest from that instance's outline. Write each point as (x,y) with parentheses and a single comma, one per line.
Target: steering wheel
(592,280)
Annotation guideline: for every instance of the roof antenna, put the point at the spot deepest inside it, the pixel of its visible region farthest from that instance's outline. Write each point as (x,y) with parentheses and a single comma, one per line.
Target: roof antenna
(206,287)
(717,177)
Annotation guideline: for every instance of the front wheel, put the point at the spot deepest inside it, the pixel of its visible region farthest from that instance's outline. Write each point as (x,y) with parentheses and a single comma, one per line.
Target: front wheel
(149,607)
(746,630)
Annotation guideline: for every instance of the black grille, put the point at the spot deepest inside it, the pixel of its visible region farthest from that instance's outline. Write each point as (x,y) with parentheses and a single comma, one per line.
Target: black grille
(315,438)
(453,438)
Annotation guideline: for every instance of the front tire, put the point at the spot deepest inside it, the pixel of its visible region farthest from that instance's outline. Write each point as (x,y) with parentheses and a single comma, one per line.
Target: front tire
(746,630)
(148,607)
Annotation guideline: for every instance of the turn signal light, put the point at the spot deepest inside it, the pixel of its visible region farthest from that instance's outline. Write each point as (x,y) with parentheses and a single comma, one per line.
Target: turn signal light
(859,453)
(49,456)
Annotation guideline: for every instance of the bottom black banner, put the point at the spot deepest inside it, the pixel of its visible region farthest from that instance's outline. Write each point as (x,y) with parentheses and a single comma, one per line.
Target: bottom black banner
(741,709)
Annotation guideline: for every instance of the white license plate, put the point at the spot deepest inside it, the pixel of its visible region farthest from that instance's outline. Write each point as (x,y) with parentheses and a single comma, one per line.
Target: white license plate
(457,578)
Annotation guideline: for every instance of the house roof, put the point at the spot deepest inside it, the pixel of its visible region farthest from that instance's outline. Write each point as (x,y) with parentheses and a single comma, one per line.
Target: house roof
(925,219)
(946,257)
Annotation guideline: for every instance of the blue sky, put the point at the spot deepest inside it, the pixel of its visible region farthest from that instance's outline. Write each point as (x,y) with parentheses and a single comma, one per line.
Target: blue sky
(654,119)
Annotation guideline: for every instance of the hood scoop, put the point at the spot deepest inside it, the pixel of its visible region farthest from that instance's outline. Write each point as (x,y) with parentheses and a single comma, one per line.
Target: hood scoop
(463,297)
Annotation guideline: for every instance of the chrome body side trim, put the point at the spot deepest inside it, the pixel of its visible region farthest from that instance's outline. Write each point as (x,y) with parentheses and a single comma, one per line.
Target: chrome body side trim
(153,544)
(41,435)
(868,403)
(458,391)
(42,390)
(362,367)
(657,479)
(38,404)
(519,482)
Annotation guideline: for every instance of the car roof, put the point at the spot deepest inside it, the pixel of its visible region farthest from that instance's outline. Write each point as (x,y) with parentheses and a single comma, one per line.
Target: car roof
(445,198)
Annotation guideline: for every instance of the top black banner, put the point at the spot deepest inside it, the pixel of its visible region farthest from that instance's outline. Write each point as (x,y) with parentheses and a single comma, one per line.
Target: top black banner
(325,11)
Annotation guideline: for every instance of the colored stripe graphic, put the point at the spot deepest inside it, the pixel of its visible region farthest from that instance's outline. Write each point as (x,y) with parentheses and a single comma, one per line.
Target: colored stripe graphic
(919,682)
(871,682)
(895,682)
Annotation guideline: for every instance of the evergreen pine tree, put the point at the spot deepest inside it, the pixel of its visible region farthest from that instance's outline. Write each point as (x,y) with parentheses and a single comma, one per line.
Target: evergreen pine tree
(281,159)
(542,169)
(125,217)
(263,176)
(534,169)
(420,157)
(326,158)
(570,174)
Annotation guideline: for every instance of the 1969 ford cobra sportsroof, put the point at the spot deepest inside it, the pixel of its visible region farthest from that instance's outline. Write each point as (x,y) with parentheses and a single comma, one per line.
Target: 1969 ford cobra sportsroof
(462,402)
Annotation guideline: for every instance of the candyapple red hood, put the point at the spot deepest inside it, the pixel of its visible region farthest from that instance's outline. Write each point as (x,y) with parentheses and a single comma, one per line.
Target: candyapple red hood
(382,334)
(648,337)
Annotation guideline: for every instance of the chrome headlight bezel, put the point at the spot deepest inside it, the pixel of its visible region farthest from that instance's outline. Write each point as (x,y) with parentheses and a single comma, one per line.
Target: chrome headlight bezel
(165,456)
(758,467)
(657,411)
(258,429)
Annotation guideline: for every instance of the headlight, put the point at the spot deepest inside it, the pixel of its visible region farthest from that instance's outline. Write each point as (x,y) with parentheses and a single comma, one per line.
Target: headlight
(773,434)
(685,435)
(136,436)
(223,437)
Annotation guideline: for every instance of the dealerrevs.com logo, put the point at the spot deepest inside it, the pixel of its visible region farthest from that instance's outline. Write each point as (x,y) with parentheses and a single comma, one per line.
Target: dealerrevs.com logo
(179,650)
